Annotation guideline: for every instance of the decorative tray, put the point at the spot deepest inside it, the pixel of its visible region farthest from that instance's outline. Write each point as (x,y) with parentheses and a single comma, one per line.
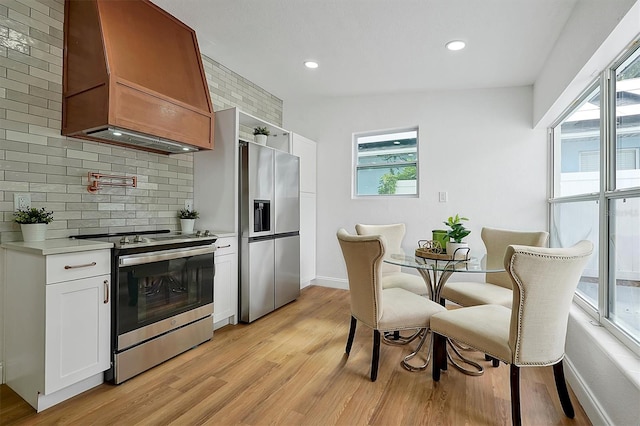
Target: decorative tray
(426,253)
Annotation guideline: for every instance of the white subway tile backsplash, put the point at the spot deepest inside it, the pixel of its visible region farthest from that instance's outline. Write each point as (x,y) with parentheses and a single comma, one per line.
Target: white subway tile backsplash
(26,157)
(24,137)
(36,158)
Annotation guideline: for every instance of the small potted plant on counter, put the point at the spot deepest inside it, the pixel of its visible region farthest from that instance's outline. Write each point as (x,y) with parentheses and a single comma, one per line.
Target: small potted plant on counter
(187,220)
(260,134)
(457,232)
(33,223)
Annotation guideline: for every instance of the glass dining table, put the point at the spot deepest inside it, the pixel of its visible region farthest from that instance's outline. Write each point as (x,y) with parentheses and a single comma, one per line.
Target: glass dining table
(436,272)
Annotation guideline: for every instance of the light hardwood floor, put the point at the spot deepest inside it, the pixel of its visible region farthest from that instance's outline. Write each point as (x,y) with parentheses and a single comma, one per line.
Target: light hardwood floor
(289,368)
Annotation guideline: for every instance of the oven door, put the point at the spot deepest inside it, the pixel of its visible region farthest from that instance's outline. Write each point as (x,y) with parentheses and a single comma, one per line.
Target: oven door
(161,290)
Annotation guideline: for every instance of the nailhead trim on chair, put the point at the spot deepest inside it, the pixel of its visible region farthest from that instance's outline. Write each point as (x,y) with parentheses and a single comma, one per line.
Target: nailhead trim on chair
(517,348)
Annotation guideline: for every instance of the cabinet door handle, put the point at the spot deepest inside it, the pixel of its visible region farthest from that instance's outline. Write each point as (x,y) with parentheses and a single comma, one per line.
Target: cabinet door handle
(80,266)
(227,246)
(106,291)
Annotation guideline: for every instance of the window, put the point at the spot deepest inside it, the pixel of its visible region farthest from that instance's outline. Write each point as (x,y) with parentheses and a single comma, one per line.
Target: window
(627,121)
(572,222)
(624,259)
(386,163)
(596,194)
(577,148)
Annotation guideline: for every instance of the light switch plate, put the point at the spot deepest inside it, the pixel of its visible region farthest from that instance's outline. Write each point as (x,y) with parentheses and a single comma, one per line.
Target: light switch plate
(21,201)
(443,197)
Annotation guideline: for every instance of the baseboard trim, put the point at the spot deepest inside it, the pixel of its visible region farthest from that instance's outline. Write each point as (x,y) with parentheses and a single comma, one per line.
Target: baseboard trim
(331,282)
(47,401)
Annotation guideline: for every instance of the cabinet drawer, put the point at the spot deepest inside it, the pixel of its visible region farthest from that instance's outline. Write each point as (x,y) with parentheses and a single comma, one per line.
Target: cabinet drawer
(73,266)
(226,245)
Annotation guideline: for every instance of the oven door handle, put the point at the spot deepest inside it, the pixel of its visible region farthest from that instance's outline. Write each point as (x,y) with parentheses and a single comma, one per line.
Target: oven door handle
(157,256)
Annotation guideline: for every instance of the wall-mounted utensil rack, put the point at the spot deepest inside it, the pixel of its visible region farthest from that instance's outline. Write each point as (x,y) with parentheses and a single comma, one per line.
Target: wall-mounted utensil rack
(97,182)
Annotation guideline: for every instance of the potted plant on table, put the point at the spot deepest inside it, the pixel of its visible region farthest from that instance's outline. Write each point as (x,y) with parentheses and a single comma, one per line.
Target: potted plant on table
(260,134)
(33,223)
(187,220)
(457,232)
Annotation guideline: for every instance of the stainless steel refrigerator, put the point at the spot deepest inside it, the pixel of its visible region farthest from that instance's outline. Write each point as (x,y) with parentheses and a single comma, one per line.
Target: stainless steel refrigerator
(269,230)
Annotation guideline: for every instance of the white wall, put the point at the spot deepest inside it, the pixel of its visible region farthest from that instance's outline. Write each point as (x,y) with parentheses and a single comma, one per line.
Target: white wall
(478,145)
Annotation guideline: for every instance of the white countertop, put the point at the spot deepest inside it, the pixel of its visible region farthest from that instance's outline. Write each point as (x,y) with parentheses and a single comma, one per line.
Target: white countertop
(68,245)
(224,234)
(56,246)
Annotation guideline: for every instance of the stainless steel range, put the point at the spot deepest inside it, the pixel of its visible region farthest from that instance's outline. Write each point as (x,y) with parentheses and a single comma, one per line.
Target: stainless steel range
(162,287)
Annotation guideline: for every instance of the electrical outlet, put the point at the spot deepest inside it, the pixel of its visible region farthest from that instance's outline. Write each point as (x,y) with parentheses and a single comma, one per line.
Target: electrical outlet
(443,196)
(21,201)
(188,204)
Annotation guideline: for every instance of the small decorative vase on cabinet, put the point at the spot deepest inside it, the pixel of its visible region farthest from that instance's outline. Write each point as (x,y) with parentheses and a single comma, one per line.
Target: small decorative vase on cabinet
(186,225)
(261,139)
(33,231)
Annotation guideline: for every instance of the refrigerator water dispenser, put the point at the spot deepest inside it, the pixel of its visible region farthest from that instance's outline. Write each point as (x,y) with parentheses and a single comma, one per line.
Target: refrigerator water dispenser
(261,215)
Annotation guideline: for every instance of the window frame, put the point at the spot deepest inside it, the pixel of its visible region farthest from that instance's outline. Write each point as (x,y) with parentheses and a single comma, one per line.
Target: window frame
(355,167)
(607,190)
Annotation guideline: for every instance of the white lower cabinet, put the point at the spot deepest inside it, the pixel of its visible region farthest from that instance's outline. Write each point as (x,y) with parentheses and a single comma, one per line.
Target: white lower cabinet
(225,285)
(58,320)
(77,331)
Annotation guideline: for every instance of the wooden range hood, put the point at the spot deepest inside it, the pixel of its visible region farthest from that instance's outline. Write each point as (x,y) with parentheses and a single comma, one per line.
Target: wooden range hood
(133,76)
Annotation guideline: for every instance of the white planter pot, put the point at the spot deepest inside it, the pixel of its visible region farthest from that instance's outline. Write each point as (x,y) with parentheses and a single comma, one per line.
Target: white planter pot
(186,225)
(33,231)
(459,250)
(261,139)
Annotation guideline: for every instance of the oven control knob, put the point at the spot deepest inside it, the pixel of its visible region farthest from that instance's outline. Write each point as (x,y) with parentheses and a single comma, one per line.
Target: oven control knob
(207,233)
(198,233)
(124,240)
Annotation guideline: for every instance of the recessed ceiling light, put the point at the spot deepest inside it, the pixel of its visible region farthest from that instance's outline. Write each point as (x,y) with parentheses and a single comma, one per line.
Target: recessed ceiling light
(396,142)
(311,64)
(117,134)
(456,45)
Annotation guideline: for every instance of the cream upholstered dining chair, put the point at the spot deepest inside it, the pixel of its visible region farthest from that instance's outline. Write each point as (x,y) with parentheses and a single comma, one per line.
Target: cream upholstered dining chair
(497,286)
(392,275)
(383,310)
(530,334)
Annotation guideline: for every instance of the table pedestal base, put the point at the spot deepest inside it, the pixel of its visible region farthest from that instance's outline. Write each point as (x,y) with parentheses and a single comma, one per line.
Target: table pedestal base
(426,333)
(453,347)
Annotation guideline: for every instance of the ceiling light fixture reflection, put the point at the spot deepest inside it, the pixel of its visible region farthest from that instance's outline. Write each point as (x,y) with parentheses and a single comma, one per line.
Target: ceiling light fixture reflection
(456,45)
(311,64)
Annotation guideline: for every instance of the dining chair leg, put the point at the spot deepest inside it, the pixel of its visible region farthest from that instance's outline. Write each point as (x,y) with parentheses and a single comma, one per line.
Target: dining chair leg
(352,333)
(439,352)
(444,354)
(563,392)
(515,395)
(375,356)
(494,361)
